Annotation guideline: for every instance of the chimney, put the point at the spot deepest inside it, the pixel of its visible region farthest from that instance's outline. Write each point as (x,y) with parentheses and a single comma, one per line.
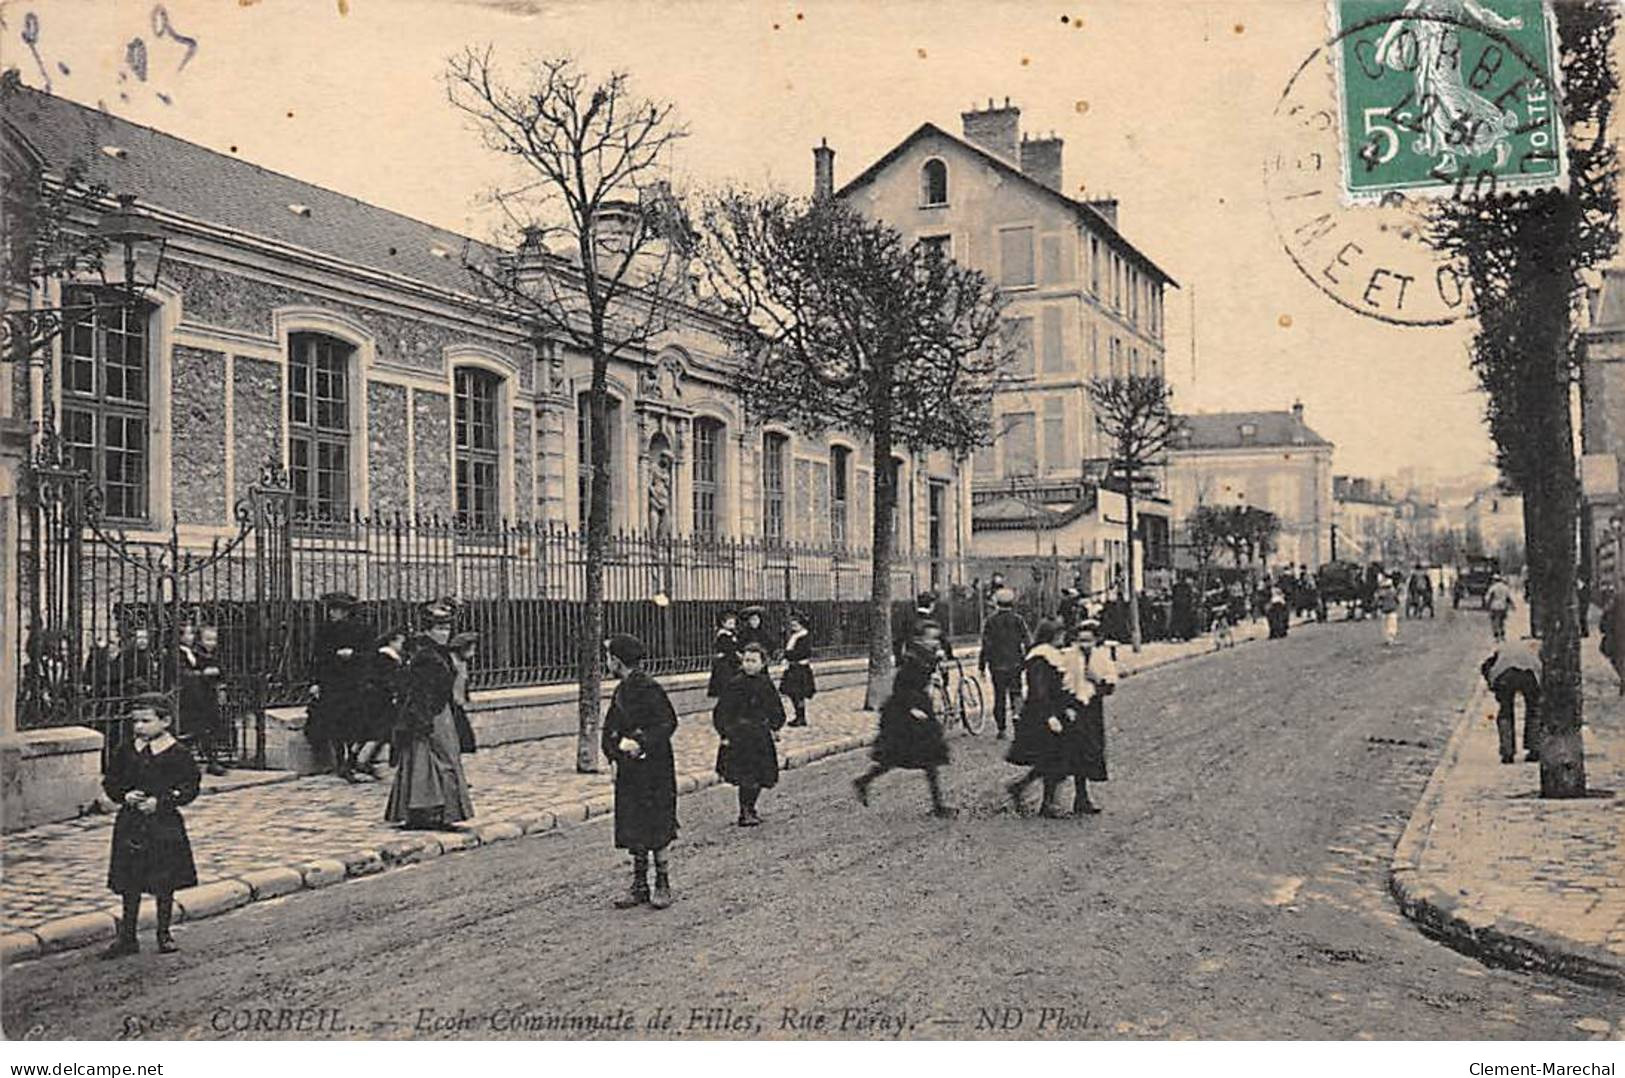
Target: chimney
(823,171)
(1106,207)
(996,130)
(1297,410)
(1041,160)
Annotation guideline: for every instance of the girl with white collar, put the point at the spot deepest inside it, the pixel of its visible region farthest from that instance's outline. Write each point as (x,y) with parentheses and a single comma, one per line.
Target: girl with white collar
(797,682)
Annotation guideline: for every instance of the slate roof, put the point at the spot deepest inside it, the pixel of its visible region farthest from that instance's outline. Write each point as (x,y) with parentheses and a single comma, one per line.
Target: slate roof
(1090,216)
(1222,430)
(193,181)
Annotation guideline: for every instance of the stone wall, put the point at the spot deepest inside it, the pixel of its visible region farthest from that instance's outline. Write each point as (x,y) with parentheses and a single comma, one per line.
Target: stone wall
(431,453)
(524,499)
(214,298)
(256,418)
(387,446)
(198,419)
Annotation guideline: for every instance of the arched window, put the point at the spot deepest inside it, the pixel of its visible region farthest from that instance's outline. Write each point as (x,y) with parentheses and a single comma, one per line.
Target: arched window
(708,442)
(319,425)
(934,183)
(478,448)
(106,394)
(840,478)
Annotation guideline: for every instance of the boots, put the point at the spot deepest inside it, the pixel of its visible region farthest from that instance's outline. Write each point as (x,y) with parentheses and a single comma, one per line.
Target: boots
(661,898)
(126,942)
(1049,811)
(939,808)
(639,893)
(1081,805)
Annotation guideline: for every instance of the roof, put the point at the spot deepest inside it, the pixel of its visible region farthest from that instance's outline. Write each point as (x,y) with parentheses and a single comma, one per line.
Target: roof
(1014,513)
(1222,430)
(1085,212)
(193,181)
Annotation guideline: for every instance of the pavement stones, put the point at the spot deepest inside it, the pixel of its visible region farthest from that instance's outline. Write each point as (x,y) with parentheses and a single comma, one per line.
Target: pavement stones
(1500,874)
(265,839)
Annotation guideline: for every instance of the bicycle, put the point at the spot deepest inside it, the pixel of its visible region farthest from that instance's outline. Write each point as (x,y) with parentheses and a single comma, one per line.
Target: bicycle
(963,704)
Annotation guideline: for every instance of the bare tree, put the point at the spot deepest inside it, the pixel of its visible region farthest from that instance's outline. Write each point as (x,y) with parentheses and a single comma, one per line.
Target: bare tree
(848,326)
(1135,413)
(602,265)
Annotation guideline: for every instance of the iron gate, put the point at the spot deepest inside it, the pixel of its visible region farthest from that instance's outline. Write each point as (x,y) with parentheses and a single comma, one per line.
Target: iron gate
(104,607)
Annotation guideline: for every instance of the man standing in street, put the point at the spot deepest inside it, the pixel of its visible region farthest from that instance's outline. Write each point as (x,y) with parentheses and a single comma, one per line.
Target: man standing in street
(1498,599)
(1514,668)
(1005,640)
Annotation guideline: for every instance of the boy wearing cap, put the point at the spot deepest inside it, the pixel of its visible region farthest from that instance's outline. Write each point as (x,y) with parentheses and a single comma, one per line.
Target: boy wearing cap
(338,663)
(637,738)
(150,777)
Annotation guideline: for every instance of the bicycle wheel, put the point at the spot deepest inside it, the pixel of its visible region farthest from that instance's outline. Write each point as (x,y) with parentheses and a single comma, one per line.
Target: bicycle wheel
(970,705)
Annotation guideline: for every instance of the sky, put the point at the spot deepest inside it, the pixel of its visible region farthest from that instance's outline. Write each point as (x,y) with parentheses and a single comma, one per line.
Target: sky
(1163,104)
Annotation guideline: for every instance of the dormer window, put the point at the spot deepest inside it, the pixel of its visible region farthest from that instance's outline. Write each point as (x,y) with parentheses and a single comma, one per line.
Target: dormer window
(934,183)
(1249,433)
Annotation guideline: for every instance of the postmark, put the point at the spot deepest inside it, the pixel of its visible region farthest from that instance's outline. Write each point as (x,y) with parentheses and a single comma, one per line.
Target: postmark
(1367,248)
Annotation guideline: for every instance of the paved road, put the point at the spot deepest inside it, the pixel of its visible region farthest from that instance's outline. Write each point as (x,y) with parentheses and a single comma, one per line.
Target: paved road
(1234,888)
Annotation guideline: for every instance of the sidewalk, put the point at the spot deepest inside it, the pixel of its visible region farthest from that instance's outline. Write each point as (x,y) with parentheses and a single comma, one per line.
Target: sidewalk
(1495,871)
(262,841)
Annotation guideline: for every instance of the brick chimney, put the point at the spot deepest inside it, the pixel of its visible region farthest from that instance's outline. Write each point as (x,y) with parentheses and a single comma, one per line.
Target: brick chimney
(1297,411)
(1106,207)
(996,130)
(1041,160)
(823,170)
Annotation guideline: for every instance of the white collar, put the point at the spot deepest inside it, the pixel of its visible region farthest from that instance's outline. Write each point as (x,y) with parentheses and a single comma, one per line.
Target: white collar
(161,743)
(391,652)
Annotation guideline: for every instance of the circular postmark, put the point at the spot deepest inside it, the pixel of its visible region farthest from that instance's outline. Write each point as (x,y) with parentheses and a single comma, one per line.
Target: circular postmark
(1412,105)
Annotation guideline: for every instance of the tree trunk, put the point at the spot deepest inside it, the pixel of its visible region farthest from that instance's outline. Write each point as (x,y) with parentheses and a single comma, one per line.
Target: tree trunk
(881,665)
(591,642)
(1133,599)
(1550,508)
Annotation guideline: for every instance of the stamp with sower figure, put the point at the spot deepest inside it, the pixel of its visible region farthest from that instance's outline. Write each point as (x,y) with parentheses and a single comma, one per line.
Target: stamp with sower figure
(1410,103)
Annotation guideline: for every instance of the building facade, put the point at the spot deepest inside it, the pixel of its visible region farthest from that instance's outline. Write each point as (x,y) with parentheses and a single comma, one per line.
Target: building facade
(1082,302)
(1602,435)
(1364,519)
(1266,460)
(296,326)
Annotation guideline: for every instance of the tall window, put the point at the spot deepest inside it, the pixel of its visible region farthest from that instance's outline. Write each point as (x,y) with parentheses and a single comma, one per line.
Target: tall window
(612,413)
(937,528)
(774,448)
(938,246)
(1133,297)
(1054,434)
(105,397)
(1054,268)
(1020,331)
(934,183)
(1094,265)
(1016,257)
(897,502)
(707,476)
(1117,357)
(1020,444)
(479,503)
(1054,339)
(840,467)
(319,426)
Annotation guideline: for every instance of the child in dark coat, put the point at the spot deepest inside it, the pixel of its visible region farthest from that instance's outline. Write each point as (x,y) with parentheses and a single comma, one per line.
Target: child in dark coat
(911,737)
(150,777)
(1049,710)
(724,654)
(637,737)
(797,682)
(747,716)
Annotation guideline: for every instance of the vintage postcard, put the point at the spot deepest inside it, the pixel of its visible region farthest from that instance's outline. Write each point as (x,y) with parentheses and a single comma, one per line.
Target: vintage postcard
(644,521)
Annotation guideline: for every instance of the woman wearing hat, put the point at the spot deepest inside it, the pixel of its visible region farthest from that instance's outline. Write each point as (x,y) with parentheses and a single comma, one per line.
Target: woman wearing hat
(430,791)
(1048,714)
(753,631)
(338,668)
(150,777)
(637,738)
(797,682)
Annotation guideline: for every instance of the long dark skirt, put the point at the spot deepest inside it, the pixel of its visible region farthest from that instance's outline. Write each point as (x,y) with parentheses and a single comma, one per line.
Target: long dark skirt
(646,803)
(751,758)
(797,682)
(1086,743)
(429,775)
(151,854)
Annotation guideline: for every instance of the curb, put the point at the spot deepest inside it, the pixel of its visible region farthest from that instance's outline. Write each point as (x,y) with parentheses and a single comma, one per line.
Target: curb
(220,896)
(1433,906)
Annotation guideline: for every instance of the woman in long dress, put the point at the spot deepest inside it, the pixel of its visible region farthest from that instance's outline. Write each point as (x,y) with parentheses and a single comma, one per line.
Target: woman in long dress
(429,791)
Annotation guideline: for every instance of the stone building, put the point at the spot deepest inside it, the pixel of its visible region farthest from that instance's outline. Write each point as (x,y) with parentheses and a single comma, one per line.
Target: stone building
(1083,301)
(1365,519)
(1602,434)
(1268,460)
(299,325)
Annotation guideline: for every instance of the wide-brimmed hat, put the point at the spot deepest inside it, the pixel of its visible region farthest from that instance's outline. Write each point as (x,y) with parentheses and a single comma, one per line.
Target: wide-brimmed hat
(749,610)
(437,612)
(1004,597)
(627,648)
(342,599)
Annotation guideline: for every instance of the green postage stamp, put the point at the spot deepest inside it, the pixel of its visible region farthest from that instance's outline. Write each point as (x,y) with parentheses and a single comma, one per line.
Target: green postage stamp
(1447,98)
